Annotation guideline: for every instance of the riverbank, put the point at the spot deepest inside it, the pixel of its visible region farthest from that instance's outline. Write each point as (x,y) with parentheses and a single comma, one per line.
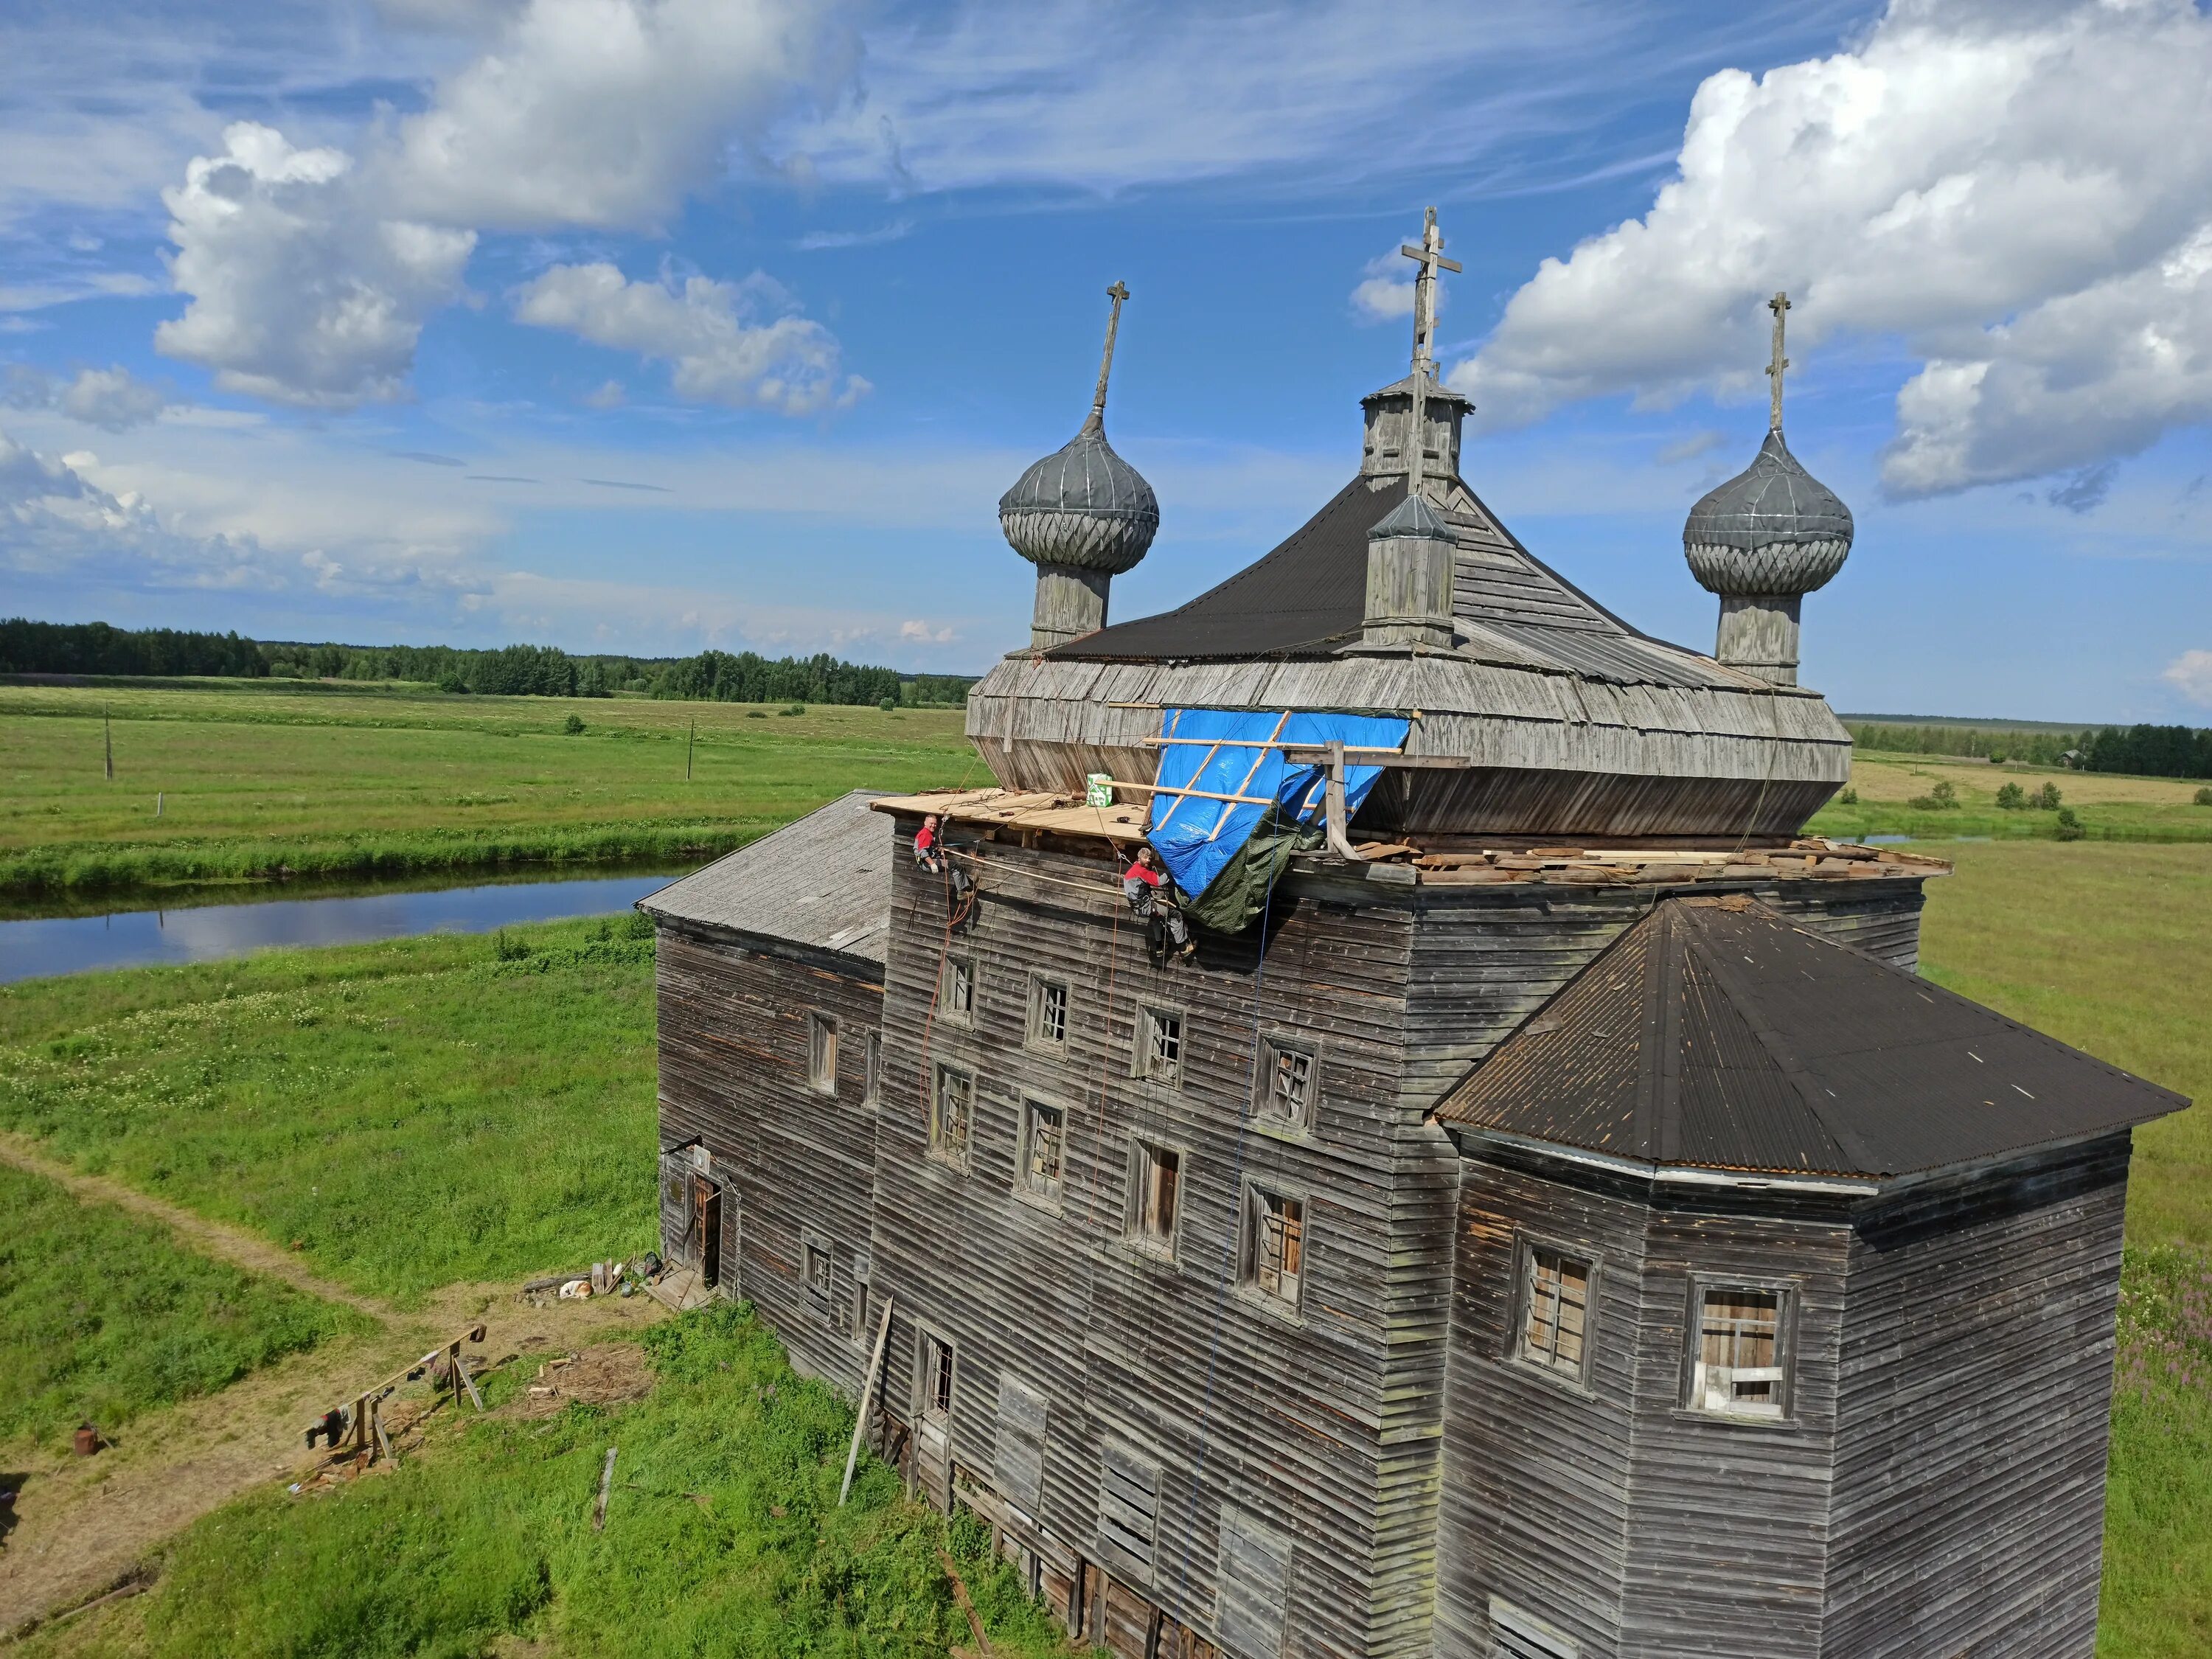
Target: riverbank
(237,783)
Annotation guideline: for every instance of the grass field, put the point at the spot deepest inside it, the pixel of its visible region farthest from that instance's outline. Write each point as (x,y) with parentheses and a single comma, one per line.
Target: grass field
(409,1114)
(367,780)
(723,1537)
(2110,808)
(103,1316)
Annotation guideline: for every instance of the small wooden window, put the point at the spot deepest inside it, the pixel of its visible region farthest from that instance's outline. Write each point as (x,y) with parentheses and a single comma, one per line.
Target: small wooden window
(1274,1245)
(956,991)
(1740,1368)
(1155,1187)
(936,1378)
(872,1069)
(952,1110)
(1047,1013)
(1291,1081)
(822,1053)
(817,1253)
(1555,1298)
(1159,1046)
(1043,1146)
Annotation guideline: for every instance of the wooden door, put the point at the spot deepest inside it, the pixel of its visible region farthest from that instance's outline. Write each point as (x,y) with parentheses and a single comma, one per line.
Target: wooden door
(703,1240)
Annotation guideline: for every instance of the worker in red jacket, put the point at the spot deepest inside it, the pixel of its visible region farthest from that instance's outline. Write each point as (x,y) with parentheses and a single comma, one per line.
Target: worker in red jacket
(925,852)
(1151,900)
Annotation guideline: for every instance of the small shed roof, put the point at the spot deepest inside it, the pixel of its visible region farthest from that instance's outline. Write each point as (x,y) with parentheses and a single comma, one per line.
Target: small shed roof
(1716,1034)
(824,881)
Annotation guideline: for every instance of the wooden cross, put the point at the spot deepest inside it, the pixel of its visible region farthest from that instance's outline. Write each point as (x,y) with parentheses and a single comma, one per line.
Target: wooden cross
(1777,304)
(1429,256)
(1116,294)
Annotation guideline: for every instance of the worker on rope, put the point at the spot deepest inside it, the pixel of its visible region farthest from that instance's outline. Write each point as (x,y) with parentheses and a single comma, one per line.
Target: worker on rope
(933,857)
(1152,900)
(927,854)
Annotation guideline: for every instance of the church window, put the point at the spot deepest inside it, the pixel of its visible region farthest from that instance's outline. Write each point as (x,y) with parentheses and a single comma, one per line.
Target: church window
(952,1111)
(816,1252)
(1044,1130)
(935,1380)
(1288,1080)
(956,991)
(1047,1013)
(1155,1187)
(1159,1045)
(1274,1245)
(1555,1305)
(1740,1367)
(822,1053)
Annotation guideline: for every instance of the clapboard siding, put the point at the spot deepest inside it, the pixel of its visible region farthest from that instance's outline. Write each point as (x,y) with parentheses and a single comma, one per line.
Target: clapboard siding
(793,1161)
(1980,1317)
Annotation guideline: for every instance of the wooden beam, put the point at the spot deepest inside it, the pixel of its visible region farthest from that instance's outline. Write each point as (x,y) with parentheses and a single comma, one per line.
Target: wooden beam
(868,1400)
(1318,755)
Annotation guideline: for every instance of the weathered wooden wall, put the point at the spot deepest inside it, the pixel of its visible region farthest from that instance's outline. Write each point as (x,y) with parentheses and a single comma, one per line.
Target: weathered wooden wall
(1975,1407)
(793,1161)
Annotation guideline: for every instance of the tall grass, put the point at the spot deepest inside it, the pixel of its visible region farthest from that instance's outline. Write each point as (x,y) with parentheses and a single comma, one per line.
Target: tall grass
(104,1315)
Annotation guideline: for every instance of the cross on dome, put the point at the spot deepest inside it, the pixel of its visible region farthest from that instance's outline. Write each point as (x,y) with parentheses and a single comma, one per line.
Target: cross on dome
(1779,305)
(1429,256)
(1118,292)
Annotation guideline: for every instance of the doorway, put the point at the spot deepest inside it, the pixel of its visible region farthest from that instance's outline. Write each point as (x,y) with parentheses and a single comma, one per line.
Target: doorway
(702,1236)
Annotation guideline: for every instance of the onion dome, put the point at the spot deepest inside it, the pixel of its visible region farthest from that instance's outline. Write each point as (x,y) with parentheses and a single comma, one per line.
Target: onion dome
(1772,529)
(1083,505)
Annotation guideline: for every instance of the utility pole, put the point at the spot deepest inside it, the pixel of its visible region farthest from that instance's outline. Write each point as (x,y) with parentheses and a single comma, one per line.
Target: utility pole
(689,741)
(107,742)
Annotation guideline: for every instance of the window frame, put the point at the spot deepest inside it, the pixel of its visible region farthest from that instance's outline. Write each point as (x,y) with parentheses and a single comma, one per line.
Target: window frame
(1034,1036)
(1165,1246)
(929,1342)
(1141,1059)
(872,1069)
(1272,1047)
(822,1052)
(1527,1248)
(1052,1197)
(1787,1293)
(813,1246)
(957,968)
(941,1149)
(1249,1228)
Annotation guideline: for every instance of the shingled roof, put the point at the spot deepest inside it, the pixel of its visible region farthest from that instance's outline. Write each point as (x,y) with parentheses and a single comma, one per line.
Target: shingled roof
(823,881)
(1716,1034)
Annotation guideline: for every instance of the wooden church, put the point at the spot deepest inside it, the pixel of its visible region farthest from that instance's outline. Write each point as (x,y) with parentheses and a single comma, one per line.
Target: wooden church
(1548,1217)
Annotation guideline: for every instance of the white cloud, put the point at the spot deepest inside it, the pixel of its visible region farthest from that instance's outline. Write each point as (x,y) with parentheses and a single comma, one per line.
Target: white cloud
(2023,194)
(53,519)
(712,334)
(921,633)
(610,395)
(606,113)
(114,400)
(2190,674)
(1385,291)
(303,291)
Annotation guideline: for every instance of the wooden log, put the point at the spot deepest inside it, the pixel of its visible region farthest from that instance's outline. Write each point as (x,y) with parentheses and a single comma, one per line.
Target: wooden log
(607,1480)
(868,1400)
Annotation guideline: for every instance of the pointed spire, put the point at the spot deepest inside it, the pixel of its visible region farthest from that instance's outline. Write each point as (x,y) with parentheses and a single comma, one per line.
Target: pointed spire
(1779,305)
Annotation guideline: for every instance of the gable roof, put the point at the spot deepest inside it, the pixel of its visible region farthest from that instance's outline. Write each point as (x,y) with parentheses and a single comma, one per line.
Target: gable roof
(824,881)
(1308,597)
(1716,1034)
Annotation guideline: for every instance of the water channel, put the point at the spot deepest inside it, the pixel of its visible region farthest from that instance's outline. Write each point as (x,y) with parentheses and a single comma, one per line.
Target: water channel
(193,930)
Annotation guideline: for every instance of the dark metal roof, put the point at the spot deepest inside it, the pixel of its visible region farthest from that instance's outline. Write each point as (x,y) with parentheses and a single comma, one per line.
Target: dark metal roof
(1716,1034)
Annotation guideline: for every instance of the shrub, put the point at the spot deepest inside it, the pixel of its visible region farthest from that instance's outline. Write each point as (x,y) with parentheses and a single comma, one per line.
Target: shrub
(2070,826)
(2204,796)
(888,704)
(574,726)
(639,925)
(1849,797)
(2011,797)
(2047,798)
(792,708)
(507,949)
(755,713)
(1941,798)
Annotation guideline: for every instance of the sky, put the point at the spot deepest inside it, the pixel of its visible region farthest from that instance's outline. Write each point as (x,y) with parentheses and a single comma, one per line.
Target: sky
(649,326)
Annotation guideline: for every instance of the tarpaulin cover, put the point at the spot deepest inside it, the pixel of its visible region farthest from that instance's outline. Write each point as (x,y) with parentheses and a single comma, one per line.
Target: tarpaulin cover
(1240,752)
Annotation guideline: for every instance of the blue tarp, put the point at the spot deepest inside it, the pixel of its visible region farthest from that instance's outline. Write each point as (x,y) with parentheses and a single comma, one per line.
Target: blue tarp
(1211,749)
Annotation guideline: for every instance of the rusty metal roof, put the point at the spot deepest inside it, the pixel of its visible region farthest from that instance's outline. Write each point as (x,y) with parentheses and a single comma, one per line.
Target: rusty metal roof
(1716,1034)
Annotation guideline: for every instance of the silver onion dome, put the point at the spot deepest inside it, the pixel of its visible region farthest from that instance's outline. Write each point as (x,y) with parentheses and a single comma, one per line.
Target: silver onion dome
(1773,529)
(1082,506)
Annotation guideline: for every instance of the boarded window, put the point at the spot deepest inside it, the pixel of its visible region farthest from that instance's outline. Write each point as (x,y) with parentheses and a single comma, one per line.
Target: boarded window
(1128,1503)
(822,1053)
(1155,1184)
(952,1109)
(1740,1367)
(936,1379)
(1555,1291)
(1290,1083)
(1159,1046)
(1043,1138)
(1274,1245)
(956,990)
(1019,1459)
(1254,1576)
(1047,1013)
(872,1069)
(818,1277)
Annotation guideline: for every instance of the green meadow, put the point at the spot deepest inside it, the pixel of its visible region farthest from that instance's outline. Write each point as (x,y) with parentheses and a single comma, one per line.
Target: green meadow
(238,780)
(1950,796)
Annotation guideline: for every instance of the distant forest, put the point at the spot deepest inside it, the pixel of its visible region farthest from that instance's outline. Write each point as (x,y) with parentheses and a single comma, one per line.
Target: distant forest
(527,671)
(2155,751)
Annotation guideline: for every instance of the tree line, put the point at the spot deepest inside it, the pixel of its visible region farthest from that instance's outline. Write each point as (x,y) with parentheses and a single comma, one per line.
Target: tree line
(2154,752)
(527,671)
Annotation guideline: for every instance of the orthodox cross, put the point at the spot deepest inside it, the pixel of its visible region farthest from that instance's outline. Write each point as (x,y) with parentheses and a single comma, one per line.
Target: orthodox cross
(1777,304)
(1116,294)
(1431,258)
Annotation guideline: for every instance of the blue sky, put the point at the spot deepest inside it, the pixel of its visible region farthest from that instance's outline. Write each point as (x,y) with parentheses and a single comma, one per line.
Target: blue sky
(650,325)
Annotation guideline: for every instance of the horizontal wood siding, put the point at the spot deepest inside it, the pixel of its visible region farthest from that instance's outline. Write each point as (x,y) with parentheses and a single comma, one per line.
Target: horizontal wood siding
(1976,1369)
(793,1161)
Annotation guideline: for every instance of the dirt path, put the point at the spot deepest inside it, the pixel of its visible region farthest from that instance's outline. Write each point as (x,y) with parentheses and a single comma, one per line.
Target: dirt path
(214,1238)
(81,1523)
